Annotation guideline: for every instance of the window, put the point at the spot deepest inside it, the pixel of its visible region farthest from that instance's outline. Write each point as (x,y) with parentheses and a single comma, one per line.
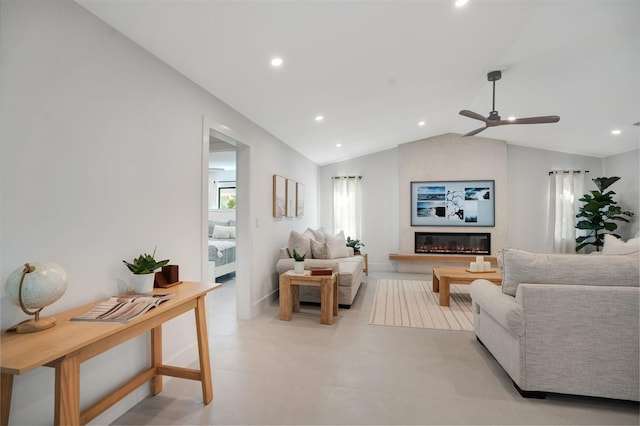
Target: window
(227,197)
(347,205)
(565,189)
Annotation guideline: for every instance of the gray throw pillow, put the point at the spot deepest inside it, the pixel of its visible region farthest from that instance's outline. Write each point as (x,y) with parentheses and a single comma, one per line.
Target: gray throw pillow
(319,250)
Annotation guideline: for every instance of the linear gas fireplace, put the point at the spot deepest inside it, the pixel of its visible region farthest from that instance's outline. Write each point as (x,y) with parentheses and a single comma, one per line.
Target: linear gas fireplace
(478,243)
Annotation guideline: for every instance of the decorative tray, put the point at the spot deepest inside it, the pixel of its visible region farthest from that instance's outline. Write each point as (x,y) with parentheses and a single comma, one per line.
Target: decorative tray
(481,272)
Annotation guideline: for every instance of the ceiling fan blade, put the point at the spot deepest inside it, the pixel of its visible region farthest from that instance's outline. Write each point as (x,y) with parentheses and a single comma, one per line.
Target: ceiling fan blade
(473,115)
(474,132)
(533,120)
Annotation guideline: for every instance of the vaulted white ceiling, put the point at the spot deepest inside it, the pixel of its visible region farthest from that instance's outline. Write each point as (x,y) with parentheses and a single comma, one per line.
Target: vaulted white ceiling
(374,69)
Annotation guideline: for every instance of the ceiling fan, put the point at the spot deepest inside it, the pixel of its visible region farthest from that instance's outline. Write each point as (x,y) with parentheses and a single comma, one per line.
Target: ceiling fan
(494,119)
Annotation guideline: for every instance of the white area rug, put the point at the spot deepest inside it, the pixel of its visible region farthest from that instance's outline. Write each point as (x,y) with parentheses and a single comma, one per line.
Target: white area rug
(403,303)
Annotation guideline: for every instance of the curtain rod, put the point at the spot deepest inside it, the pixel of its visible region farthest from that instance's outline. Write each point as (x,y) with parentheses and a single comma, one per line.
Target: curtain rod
(346,177)
(568,171)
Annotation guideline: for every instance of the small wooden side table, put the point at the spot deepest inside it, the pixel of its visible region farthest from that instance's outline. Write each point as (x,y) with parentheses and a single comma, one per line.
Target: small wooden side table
(290,283)
(366,262)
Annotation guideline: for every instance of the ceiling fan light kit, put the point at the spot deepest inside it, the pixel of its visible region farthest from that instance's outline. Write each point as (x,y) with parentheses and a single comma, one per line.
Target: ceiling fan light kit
(494,118)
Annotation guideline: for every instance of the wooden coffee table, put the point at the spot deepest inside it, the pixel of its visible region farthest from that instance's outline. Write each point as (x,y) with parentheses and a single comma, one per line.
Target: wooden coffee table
(290,283)
(444,276)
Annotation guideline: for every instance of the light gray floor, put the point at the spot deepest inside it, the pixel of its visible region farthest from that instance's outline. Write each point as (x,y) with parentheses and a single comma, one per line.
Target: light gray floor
(267,371)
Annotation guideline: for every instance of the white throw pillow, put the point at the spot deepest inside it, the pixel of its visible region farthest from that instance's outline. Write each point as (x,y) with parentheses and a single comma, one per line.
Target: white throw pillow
(224,232)
(300,242)
(337,246)
(613,245)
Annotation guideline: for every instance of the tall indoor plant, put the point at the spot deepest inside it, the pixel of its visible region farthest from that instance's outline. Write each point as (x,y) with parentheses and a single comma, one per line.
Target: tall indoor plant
(598,213)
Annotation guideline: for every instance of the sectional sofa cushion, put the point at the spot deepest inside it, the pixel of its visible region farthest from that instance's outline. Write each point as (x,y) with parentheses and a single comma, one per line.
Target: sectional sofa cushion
(337,246)
(300,242)
(317,244)
(318,235)
(524,267)
(613,245)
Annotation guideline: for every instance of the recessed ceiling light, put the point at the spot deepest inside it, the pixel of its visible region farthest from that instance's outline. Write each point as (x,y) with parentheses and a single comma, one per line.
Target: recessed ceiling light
(421,123)
(276,62)
(511,118)
(319,118)
(460,3)
(616,132)
(338,145)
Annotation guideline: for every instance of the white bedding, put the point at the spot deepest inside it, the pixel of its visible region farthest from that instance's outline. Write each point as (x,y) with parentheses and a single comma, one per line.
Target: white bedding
(222,245)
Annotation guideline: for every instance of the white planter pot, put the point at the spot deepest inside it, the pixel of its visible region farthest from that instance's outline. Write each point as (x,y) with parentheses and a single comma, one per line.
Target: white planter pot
(298,267)
(142,283)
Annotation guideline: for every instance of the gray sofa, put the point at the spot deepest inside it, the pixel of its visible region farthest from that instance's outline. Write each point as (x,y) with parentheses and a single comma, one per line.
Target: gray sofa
(324,250)
(564,323)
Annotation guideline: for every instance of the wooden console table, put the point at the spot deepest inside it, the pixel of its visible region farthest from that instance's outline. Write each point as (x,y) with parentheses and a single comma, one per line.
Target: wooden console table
(65,346)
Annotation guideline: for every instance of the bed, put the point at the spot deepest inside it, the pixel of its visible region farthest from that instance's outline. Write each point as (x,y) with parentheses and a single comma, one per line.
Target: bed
(222,249)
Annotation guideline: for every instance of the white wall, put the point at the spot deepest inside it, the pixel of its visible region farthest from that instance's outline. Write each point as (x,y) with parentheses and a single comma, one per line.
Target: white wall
(627,166)
(451,157)
(101,153)
(528,171)
(379,202)
(527,184)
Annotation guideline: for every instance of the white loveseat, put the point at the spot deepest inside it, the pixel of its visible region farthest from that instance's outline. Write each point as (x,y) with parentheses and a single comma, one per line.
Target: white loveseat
(324,251)
(564,323)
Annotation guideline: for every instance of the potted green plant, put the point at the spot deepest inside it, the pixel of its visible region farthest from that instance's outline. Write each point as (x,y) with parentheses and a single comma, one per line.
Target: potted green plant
(355,245)
(298,264)
(598,212)
(143,268)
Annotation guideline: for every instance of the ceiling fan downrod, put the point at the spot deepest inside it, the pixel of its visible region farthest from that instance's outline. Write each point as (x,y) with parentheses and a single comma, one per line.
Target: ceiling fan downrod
(494,76)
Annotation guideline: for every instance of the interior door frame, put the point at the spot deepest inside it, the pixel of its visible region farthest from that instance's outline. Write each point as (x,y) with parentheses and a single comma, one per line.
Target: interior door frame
(244,231)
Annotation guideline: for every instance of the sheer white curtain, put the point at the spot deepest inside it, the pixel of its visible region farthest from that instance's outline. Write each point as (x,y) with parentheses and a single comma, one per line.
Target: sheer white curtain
(565,189)
(347,205)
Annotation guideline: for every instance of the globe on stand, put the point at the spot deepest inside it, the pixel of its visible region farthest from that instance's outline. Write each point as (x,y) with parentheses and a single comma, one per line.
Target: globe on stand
(32,288)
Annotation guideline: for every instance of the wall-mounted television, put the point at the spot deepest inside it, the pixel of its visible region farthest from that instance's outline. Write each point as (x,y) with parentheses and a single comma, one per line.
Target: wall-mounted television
(453,203)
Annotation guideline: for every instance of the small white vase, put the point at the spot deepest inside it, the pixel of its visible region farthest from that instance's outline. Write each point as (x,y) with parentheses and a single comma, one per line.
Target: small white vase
(298,267)
(142,283)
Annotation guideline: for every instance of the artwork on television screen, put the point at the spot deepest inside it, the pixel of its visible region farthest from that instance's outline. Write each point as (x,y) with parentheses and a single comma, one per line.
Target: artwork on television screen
(453,203)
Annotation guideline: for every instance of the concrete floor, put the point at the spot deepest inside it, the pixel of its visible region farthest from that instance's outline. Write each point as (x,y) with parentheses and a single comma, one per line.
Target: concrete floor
(267,371)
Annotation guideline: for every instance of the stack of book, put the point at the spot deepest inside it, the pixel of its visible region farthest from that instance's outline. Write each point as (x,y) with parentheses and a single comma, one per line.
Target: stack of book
(321,271)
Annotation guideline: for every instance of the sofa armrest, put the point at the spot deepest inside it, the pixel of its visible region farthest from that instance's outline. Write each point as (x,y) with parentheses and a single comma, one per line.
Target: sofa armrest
(284,253)
(503,308)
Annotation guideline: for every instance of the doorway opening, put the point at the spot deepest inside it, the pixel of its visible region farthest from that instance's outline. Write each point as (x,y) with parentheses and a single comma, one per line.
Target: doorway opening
(226,207)
(221,215)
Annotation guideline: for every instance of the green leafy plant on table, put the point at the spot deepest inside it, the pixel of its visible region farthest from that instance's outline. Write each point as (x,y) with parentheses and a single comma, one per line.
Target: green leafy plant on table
(145,263)
(354,244)
(598,213)
(297,256)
